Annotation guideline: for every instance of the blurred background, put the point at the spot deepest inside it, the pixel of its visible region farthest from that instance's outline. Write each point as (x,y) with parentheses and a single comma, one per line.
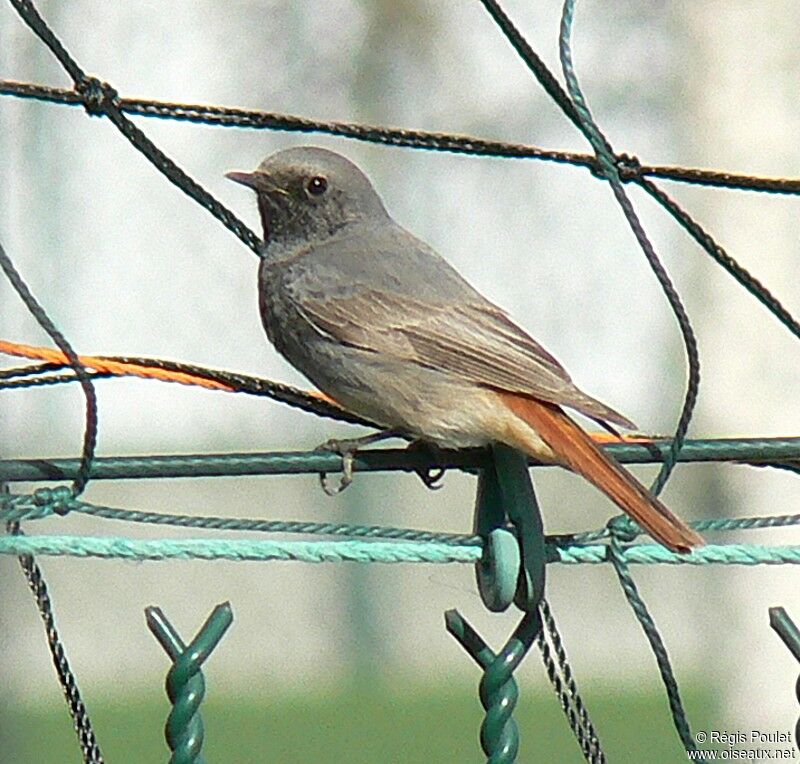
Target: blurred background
(352,663)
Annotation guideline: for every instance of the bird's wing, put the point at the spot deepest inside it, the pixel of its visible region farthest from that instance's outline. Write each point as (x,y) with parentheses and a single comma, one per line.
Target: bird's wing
(476,341)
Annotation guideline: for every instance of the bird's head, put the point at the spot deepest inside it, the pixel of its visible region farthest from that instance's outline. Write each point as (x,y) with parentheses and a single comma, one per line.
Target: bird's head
(308,194)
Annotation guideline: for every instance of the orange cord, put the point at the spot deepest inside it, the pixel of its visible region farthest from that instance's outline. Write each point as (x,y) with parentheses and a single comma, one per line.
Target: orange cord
(607,437)
(123,369)
(118,368)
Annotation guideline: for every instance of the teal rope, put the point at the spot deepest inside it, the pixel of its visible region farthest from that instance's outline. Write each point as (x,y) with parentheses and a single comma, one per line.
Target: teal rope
(43,504)
(237,549)
(115,547)
(710,554)
(626,526)
(607,166)
(631,591)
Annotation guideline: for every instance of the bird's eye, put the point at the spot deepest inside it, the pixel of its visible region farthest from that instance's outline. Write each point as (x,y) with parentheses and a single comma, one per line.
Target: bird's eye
(317,185)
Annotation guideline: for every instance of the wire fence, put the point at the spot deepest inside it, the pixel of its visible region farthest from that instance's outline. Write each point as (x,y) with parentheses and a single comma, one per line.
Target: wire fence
(510,551)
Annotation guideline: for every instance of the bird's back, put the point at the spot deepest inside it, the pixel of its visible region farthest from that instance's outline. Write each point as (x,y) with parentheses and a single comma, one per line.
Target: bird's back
(375,256)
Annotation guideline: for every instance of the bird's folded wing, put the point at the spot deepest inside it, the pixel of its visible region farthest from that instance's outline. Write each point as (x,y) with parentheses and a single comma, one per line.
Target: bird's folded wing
(477,342)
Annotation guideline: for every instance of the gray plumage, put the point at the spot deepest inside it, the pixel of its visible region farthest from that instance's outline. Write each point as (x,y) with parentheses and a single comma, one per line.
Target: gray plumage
(374,317)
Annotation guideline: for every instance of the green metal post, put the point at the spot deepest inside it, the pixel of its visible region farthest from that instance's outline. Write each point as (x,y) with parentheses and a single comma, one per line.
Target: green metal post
(185,683)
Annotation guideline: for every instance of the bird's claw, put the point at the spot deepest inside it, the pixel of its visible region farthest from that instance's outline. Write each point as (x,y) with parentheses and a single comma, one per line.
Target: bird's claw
(347,476)
(347,451)
(431,478)
(334,445)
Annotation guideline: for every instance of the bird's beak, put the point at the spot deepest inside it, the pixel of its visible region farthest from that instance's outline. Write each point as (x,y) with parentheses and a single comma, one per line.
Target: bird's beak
(249,179)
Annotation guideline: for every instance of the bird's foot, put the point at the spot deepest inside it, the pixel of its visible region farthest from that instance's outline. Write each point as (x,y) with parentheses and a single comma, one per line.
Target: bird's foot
(431,477)
(347,449)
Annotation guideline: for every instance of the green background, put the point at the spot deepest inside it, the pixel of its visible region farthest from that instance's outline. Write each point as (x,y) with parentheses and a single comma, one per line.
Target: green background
(360,725)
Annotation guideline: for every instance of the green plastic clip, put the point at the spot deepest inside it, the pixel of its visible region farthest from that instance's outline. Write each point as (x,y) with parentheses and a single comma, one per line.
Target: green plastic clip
(507,517)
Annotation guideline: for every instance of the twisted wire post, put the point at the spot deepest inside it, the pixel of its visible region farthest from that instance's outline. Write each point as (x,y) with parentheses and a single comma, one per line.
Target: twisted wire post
(186,686)
(498,688)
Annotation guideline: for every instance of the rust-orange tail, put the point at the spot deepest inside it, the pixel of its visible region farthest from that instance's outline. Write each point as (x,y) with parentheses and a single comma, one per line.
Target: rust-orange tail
(576,450)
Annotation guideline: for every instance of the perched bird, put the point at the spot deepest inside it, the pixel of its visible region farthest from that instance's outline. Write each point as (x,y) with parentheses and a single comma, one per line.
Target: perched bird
(382,324)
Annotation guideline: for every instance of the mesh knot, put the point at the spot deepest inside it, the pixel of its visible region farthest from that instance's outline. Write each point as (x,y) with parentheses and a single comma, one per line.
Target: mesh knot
(58,499)
(629,167)
(98,97)
(623,529)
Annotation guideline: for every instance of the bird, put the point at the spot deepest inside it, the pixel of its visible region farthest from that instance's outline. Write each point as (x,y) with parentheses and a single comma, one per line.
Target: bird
(382,324)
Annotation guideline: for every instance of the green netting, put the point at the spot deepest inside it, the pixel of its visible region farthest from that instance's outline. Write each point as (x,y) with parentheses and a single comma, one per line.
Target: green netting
(518,557)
